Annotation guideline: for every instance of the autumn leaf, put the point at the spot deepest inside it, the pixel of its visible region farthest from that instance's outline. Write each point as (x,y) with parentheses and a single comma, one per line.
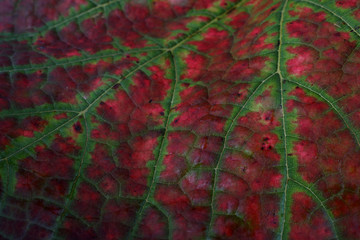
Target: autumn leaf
(180,119)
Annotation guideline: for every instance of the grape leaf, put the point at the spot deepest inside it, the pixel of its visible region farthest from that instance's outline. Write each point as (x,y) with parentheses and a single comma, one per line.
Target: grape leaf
(180,119)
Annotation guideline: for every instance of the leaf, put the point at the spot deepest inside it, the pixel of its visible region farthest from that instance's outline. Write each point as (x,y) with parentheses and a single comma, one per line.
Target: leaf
(180,119)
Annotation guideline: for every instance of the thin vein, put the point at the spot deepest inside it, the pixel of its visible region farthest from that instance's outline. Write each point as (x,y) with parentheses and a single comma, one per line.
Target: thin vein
(159,158)
(330,217)
(75,60)
(334,107)
(55,24)
(335,14)
(10,114)
(39,139)
(60,217)
(228,131)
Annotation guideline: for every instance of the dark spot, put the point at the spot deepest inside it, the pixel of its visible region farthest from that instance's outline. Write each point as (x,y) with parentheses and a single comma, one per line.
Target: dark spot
(270,147)
(176,120)
(137,61)
(297,87)
(290,154)
(127,56)
(239,94)
(262,148)
(150,101)
(77,127)
(337,34)
(162,113)
(266,139)
(102,103)
(116,86)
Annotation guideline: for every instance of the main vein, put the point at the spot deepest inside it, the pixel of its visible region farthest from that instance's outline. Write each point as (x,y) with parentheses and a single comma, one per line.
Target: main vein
(281,79)
(286,163)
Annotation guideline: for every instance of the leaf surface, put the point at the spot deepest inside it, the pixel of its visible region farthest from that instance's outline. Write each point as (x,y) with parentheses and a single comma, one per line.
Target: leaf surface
(180,119)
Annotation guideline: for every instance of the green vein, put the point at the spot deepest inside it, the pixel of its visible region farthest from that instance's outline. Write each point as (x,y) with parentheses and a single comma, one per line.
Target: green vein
(227,132)
(318,199)
(75,60)
(333,13)
(159,158)
(119,80)
(27,112)
(58,23)
(281,79)
(40,138)
(73,185)
(338,111)
(215,19)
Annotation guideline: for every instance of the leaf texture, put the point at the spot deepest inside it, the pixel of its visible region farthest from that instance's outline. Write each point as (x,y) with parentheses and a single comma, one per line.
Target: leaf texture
(180,119)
